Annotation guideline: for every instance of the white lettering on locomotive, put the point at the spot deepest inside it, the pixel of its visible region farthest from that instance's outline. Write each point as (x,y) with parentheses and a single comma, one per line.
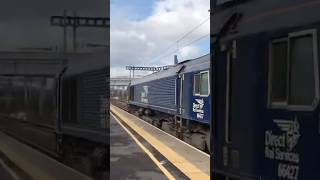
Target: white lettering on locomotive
(280,147)
(197,107)
(287,171)
(144,94)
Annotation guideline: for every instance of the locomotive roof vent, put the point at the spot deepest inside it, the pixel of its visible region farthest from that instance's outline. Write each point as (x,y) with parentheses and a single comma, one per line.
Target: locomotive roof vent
(176,59)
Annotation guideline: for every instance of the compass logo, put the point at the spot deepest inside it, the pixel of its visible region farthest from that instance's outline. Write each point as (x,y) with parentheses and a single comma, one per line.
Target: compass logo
(292,130)
(280,148)
(198,108)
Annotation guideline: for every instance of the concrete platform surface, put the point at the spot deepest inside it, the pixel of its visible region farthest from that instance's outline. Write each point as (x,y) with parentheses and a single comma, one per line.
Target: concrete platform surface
(5,174)
(194,163)
(127,159)
(34,163)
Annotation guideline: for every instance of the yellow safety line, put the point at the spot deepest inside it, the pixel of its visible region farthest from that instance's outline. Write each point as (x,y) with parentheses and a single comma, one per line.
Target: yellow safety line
(161,167)
(180,162)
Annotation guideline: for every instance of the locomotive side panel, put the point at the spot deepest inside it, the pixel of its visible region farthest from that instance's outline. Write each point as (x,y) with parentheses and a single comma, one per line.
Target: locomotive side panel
(93,99)
(157,94)
(291,111)
(236,133)
(85,105)
(267,111)
(197,104)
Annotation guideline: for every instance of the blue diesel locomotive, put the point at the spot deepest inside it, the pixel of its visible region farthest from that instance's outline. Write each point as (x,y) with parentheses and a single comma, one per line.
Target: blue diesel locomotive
(67,94)
(266,121)
(177,100)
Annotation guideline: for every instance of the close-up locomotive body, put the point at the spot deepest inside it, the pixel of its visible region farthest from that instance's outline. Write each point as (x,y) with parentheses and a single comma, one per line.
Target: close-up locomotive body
(60,103)
(28,86)
(177,100)
(266,89)
(84,102)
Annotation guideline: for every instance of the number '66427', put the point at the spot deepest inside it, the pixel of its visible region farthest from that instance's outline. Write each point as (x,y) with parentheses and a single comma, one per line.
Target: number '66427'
(287,171)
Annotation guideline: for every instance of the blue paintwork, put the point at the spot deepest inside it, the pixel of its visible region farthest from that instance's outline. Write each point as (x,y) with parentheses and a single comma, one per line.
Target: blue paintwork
(190,98)
(163,90)
(251,116)
(160,95)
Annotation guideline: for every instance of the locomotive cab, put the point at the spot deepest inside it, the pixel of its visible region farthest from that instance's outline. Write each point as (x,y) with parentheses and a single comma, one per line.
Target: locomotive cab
(266,105)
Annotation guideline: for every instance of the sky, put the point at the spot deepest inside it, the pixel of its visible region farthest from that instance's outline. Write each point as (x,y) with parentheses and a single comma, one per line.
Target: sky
(145,32)
(26,24)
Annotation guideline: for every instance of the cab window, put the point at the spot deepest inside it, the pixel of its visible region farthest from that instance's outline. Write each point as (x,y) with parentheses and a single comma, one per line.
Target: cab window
(302,74)
(196,84)
(201,84)
(278,68)
(293,70)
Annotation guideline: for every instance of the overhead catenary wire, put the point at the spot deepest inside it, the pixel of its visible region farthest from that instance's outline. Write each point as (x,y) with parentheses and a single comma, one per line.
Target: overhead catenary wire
(181,38)
(185,45)
(196,40)
(192,30)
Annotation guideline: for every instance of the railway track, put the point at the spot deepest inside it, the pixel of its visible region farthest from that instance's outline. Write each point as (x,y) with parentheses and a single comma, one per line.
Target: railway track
(39,136)
(120,104)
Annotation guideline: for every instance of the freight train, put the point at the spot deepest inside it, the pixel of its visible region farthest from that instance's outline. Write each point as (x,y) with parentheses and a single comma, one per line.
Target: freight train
(177,100)
(68,92)
(266,89)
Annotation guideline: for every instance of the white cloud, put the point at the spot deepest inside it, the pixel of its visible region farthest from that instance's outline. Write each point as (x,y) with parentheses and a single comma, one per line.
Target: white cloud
(141,42)
(189,52)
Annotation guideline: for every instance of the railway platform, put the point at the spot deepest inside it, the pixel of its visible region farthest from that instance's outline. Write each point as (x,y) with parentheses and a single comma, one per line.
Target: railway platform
(30,164)
(176,159)
(127,159)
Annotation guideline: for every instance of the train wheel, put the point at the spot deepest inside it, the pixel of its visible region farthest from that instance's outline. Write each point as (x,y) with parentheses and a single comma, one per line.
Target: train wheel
(208,141)
(165,126)
(160,124)
(67,155)
(140,112)
(198,141)
(157,123)
(87,166)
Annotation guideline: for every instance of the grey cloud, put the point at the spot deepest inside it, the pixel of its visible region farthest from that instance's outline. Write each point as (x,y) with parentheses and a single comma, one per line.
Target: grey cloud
(142,42)
(26,23)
